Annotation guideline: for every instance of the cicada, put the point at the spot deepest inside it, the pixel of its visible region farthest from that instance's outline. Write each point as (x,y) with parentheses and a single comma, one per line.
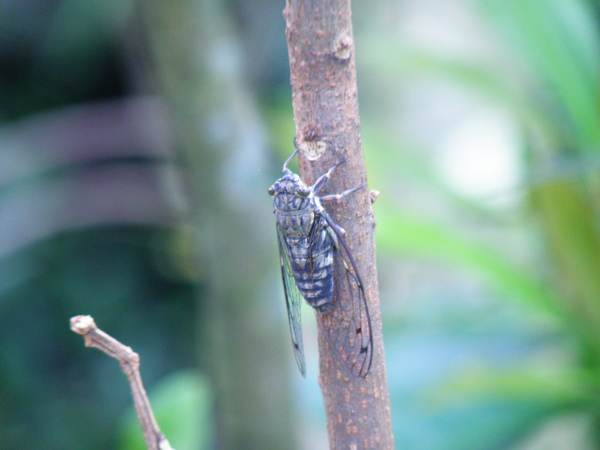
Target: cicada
(314,257)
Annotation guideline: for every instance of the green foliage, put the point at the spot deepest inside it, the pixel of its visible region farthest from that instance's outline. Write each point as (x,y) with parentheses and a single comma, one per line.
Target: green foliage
(545,76)
(418,236)
(560,43)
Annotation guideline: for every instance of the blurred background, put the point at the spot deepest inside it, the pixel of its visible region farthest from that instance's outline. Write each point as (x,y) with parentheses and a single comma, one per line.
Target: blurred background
(137,143)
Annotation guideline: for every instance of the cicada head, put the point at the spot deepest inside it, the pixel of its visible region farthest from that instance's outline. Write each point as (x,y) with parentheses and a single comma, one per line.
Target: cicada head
(290,193)
(290,183)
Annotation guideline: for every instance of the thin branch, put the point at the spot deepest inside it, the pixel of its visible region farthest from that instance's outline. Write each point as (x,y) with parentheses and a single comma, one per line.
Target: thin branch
(325,101)
(130,364)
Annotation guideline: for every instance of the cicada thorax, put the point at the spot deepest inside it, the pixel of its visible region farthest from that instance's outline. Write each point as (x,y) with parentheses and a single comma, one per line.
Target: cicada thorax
(295,223)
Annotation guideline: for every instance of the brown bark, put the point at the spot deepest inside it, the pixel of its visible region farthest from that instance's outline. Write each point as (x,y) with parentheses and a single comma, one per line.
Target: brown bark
(325,101)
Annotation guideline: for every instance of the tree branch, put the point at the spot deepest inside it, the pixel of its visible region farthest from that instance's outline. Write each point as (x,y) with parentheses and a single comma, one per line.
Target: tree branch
(325,101)
(130,364)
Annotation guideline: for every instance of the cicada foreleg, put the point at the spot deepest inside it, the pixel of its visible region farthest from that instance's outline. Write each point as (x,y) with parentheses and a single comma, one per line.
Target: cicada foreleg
(327,198)
(323,178)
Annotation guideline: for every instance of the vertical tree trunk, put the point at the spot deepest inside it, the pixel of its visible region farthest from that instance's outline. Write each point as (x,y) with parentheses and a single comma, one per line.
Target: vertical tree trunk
(325,101)
(214,119)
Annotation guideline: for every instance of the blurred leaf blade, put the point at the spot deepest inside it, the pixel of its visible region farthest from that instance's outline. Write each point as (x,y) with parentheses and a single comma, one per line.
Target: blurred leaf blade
(561,40)
(403,234)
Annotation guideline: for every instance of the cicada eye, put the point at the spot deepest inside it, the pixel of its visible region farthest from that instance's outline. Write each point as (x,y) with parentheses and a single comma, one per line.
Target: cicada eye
(272,190)
(303,191)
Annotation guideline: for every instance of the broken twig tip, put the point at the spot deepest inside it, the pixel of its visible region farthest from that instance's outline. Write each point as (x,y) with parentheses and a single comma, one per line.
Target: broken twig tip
(83,324)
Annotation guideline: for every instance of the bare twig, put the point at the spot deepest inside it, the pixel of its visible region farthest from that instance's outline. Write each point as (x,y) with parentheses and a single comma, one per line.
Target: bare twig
(130,364)
(325,101)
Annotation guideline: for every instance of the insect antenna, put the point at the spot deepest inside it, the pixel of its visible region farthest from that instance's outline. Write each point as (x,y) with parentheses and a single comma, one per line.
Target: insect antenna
(287,161)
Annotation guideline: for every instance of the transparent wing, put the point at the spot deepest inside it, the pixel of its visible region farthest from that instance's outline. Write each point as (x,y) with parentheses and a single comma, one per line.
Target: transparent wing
(293,301)
(348,324)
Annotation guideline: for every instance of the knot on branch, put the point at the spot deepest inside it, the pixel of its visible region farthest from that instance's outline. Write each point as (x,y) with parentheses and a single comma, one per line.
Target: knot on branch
(343,47)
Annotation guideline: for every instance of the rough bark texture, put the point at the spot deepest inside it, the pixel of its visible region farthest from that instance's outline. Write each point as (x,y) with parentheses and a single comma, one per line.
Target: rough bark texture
(325,101)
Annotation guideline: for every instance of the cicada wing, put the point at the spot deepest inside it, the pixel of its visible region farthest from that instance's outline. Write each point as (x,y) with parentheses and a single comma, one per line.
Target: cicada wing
(348,324)
(293,301)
